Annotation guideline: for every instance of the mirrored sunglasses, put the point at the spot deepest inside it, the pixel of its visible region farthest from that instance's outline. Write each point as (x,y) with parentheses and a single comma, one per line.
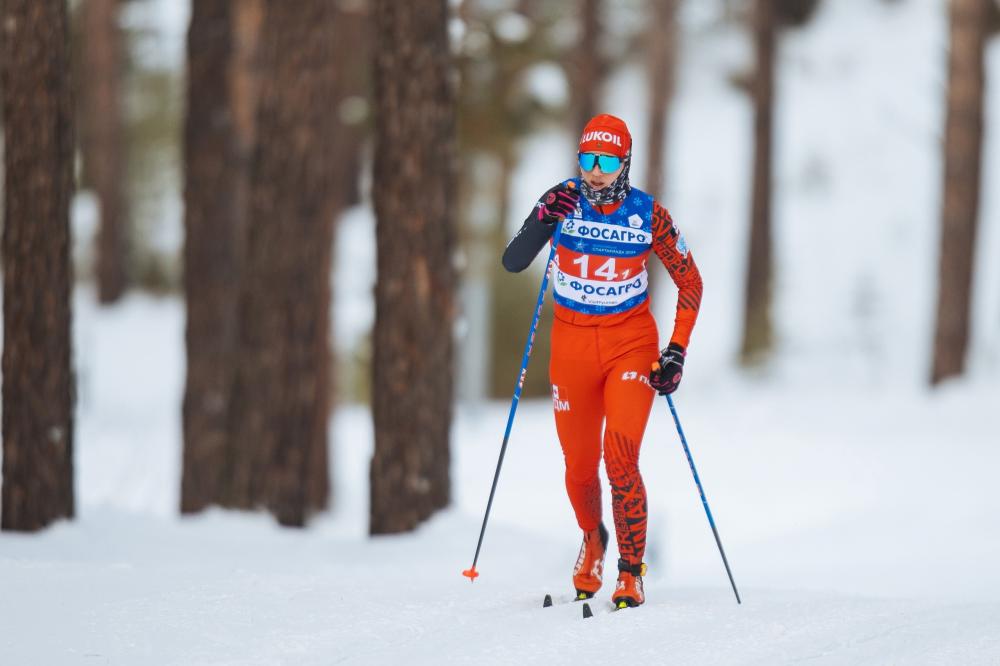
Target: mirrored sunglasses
(607,163)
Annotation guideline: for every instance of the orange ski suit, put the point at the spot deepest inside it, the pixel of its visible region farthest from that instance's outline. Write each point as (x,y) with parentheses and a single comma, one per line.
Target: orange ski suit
(600,362)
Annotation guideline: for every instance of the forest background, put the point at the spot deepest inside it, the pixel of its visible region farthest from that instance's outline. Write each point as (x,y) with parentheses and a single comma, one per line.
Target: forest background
(246,203)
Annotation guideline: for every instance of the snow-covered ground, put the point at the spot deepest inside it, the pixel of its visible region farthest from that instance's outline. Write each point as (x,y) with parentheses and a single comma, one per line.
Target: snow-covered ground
(861,528)
(858,508)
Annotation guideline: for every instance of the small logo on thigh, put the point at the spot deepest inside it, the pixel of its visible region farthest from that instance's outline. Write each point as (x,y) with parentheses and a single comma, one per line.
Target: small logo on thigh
(632,375)
(559,404)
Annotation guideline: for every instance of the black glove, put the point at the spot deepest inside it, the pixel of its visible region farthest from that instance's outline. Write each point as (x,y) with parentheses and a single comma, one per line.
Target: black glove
(665,376)
(557,203)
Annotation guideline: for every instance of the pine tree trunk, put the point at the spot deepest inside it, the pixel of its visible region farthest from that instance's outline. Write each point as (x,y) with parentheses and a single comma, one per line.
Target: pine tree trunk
(414,312)
(102,144)
(661,52)
(352,45)
(214,233)
(281,398)
(38,168)
(661,39)
(960,209)
(589,65)
(244,72)
(757,327)
(244,78)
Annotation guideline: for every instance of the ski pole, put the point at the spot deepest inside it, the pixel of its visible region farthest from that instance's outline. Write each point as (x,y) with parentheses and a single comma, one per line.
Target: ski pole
(701,491)
(471,573)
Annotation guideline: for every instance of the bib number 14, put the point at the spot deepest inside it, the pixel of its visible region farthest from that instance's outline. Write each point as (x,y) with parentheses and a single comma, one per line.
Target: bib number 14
(605,270)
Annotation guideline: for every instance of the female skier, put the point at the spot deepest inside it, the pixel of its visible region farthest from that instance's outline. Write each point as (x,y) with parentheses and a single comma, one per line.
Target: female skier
(604,340)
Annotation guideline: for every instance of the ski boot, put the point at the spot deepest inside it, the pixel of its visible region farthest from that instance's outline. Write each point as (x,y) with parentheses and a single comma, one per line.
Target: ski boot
(629,592)
(589,567)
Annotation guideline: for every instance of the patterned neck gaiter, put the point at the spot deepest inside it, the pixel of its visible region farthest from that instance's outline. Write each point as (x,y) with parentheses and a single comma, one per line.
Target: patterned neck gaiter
(613,193)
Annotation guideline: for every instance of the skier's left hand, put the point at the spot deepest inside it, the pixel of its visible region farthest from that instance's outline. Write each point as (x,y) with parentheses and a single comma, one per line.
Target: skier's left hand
(665,376)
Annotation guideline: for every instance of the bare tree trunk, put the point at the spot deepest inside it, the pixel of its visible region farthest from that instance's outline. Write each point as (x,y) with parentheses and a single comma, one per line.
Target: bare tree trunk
(960,209)
(414,312)
(214,237)
(590,67)
(492,274)
(247,17)
(103,148)
(351,46)
(757,327)
(661,38)
(38,168)
(661,52)
(281,397)
(244,74)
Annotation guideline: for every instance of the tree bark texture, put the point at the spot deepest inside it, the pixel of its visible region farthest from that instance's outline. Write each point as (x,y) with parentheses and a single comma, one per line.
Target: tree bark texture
(661,37)
(281,397)
(351,46)
(214,238)
(757,326)
(960,207)
(246,18)
(415,231)
(102,142)
(590,67)
(661,40)
(38,168)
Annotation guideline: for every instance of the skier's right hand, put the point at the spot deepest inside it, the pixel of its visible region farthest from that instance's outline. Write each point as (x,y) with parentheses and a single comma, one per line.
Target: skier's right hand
(558,203)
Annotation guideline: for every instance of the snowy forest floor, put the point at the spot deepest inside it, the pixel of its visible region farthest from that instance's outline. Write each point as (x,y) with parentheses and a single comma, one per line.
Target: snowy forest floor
(861,527)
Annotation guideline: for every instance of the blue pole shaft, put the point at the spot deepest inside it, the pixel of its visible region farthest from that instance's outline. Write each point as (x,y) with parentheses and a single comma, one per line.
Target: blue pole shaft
(517,391)
(701,491)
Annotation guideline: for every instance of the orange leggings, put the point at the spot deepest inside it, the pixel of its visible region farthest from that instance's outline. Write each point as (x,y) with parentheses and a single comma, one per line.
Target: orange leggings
(600,376)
